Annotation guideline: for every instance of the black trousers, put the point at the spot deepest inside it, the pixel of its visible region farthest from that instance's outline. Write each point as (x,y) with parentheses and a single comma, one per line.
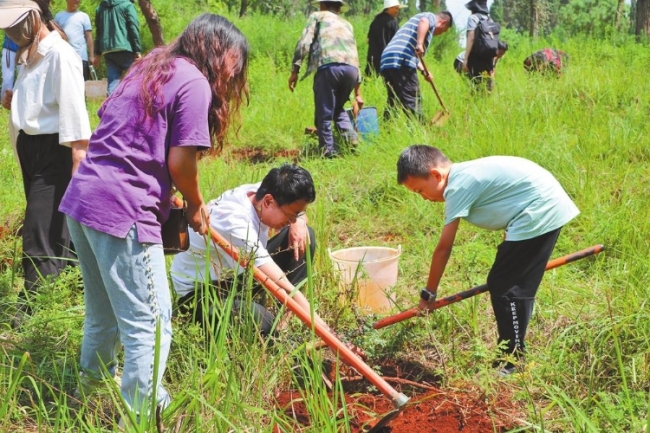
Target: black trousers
(198,303)
(403,90)
(46,168)
(479,73)
(513,282)
(86,69)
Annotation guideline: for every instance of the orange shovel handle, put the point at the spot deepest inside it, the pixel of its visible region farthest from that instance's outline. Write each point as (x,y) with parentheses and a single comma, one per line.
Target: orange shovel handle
(331,340)
(415,311)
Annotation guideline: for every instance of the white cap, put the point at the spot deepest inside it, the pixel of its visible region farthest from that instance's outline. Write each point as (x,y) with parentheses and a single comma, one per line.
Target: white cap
(13,11)
(344,6)
(393,3)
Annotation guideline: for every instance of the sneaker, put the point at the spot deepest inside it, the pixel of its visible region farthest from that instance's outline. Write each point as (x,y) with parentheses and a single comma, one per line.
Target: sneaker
(504,367)
(22,315)
(507,370)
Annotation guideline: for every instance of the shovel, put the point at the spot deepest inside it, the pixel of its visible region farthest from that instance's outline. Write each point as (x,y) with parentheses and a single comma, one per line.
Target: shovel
(560,261)
(398,399)
(440,117)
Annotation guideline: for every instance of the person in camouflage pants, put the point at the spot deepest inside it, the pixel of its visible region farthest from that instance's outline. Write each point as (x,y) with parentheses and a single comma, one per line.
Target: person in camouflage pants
(328,43)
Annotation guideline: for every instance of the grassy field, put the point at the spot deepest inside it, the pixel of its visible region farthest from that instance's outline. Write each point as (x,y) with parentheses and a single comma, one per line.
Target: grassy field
(589,341)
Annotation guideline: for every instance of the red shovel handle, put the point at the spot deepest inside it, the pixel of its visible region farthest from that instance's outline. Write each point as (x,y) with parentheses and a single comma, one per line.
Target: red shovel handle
(560,261)
(334,343)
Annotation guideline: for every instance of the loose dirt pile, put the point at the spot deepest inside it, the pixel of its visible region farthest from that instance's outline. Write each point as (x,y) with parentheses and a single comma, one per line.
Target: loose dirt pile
(430,410)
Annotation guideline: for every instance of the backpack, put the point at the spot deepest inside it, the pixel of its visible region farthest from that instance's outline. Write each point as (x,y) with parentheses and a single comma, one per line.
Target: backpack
(486,39)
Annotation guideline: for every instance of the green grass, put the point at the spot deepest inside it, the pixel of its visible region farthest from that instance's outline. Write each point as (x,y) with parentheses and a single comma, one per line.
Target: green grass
(590,336)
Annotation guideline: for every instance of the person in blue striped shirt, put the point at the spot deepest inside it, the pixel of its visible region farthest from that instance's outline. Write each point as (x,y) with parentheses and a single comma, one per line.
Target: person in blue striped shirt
(399,61)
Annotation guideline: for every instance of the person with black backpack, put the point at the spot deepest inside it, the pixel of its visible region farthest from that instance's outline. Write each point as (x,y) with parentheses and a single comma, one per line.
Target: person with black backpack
(482,44)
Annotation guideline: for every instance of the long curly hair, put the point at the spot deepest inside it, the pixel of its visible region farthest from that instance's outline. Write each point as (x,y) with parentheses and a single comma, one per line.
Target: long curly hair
(220,51)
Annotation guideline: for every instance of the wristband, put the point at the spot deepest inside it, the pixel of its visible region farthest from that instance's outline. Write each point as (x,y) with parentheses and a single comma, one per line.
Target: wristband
(428,296)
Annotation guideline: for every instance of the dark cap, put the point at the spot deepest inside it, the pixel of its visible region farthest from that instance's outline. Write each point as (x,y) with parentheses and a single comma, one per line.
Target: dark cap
(478,6)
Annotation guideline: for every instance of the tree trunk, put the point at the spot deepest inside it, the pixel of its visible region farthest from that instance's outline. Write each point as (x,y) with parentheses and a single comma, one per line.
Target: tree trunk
(534,19)
(619,14)
(436,5)
(242,9)
(153,22)
(642,18)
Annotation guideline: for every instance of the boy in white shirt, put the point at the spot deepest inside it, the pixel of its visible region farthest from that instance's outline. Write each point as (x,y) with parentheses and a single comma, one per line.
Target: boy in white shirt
(244,216)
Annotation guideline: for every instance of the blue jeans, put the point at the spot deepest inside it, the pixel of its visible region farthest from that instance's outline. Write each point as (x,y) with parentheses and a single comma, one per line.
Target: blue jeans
(126,295)
(117,63)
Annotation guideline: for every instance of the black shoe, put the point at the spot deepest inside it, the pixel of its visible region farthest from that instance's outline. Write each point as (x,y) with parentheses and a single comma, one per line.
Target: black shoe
(507,369)
(22,315)
(331,154)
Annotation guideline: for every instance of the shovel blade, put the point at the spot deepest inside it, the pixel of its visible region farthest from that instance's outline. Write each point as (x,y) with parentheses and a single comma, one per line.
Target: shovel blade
(440,118)
(379,427)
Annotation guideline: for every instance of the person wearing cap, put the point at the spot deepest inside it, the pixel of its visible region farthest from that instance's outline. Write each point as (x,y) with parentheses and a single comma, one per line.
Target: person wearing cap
(8,60)
(399,61)
(77,27)
(328,43)
(117,39)
(382,29)
(476,67)
(51,125)
(489,74)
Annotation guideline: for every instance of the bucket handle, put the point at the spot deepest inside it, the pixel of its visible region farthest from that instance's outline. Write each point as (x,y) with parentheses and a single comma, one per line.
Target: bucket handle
(399,250)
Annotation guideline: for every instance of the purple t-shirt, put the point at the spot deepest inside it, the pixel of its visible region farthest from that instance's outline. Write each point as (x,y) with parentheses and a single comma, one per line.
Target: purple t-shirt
(124,178)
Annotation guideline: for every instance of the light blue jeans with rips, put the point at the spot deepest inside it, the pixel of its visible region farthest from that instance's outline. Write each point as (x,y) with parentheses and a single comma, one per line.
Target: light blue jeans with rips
(126,293)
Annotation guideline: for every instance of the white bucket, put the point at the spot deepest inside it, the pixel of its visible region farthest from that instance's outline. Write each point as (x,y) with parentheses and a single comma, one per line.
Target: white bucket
(373,270)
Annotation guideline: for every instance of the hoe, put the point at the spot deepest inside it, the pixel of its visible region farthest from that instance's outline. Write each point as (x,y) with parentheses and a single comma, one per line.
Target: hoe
(415,311)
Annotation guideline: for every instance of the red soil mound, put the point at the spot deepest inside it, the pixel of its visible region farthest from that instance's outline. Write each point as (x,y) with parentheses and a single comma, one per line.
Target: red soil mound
(430,410)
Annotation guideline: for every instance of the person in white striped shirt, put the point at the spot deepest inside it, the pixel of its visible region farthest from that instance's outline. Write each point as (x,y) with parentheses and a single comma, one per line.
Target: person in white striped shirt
(400,63)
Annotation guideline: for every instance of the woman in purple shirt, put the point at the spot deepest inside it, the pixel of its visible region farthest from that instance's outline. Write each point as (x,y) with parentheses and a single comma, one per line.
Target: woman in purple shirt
(171,105)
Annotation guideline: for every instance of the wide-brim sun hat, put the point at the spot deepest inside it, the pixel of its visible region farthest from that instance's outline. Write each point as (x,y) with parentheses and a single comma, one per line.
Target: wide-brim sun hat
(13,11)
(478,6)
(393,3)
(344,6)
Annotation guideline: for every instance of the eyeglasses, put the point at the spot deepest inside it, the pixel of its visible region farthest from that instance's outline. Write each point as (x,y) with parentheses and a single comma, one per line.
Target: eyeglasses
(292,217)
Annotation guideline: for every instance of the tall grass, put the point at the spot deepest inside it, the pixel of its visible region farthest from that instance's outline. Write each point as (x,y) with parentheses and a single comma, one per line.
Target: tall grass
(590,336)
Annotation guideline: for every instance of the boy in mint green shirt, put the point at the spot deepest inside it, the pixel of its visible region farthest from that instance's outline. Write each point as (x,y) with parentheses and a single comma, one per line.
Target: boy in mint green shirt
(496,193)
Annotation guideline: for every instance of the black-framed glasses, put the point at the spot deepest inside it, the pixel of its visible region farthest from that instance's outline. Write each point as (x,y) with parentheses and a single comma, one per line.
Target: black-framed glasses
(291,217)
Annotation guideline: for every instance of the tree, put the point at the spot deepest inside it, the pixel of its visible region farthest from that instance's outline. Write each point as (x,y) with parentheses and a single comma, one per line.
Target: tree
(642,18)
(591,17)
(153,22)
(534,18)
(619,14)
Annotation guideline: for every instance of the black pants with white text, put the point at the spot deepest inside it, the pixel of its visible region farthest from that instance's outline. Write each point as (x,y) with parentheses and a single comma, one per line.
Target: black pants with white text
(513,282)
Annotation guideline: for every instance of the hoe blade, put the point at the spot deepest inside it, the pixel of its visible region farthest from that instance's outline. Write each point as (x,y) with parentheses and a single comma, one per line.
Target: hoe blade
(440,118)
